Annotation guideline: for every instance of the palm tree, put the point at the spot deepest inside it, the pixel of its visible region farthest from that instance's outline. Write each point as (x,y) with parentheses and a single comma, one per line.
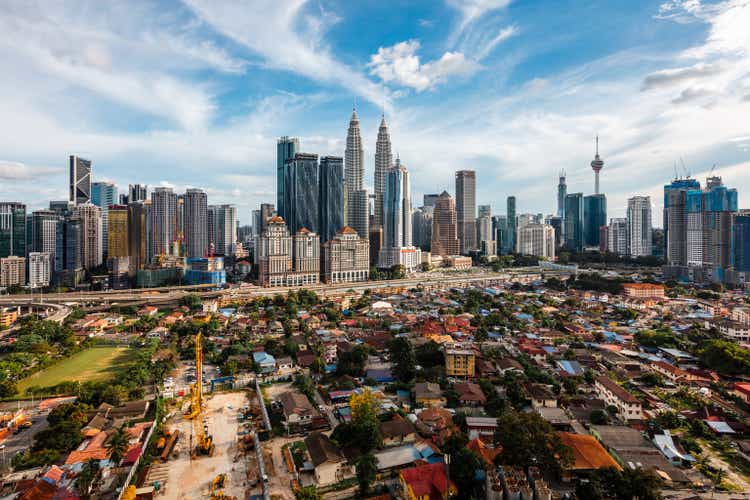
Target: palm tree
(117,446)
(87,477)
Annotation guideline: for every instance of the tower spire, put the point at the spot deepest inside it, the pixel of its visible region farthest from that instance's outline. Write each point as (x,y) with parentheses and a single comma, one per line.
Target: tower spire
(596,165)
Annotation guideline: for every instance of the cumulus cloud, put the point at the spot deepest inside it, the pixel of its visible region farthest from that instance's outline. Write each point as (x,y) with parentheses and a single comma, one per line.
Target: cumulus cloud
(668,77)
(400,64)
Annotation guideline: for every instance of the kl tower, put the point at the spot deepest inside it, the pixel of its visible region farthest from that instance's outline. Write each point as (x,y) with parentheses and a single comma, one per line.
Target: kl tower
(596,165)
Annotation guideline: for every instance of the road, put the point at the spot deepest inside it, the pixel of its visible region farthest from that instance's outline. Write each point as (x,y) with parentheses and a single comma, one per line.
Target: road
(22,441)
(332,421)
(245,291)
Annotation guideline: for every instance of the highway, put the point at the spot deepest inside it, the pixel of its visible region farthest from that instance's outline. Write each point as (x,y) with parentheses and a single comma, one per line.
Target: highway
(247,291)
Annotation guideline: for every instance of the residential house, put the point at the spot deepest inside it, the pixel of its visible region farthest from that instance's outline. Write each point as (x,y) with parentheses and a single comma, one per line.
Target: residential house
(541,396)
(397,432)
(470,394)
(264,362)
(481,427)
(426,482)
(588,455)
(628,406)
(428,394)
(297,408)
(330,464)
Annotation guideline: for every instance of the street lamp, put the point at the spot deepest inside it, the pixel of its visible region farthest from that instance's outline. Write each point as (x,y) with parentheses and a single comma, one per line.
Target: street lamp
(447,459)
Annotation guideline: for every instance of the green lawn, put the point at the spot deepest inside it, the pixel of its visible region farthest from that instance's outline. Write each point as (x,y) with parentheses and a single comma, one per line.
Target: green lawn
(97,363)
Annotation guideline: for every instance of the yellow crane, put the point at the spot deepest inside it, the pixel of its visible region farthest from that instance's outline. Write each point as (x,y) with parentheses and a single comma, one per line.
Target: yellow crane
(204,442)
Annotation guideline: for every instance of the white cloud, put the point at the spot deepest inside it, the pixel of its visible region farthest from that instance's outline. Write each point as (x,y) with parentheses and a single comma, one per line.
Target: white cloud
(476,33)
(15,171)
(668,77)
(274,30)
(399,64)
(472,10)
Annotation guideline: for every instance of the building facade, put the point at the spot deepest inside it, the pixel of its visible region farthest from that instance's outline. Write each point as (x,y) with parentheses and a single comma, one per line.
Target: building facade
(90,217)
(104,194)
(12,271)
(397,245)
(222,228)
(617,236)
(12,229)
(163,222)
(346,258)
(383,163)
(80,180)
(445,240)
(510,243)
(40,269)
(286,148)
(537,239)
(594,217)
(574,222)
(117,238)
(301,192)
(195,212)
(44,232)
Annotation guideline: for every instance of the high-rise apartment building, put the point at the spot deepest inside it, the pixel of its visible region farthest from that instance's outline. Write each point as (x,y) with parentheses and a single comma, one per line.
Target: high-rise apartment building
(639,226)
(331,197)
(285,260)
(485,236)
(562,191)
(594,217)
(80,180)
(558,223)
(40,271)
(90,217)
(306,257)
(445,240)
(68,254)
(104,194)
(466,194)
(163,222)
(286,148)
(510,243)
(500,226)
(617,236)
(196,223)
(12,271)
(12,229)
(117,237)
(222,228)
(421,227)
(574,222)
(137,192)
(675,211)
(346,258)
(537,239)
(383,163)
(741,248)
(301,192)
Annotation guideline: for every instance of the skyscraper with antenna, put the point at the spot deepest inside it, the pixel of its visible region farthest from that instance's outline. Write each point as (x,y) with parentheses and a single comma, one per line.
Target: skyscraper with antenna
(562,190)
(596,165)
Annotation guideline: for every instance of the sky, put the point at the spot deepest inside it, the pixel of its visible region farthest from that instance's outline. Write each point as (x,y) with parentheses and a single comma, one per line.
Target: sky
(195,93)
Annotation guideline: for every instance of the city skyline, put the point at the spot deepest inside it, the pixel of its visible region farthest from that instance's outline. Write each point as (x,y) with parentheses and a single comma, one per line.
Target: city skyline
(181,123)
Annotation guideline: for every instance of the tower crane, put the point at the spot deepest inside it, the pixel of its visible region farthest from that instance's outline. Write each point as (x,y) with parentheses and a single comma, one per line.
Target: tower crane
(204,441)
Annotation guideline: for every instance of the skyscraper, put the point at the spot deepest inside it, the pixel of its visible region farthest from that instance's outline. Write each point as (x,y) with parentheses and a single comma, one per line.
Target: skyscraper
(330,196)
(484,211)
(90,217)
(117,238)
(383,163)
(421,227)
(574,222)
(196,223)
(429,200)
(512,225)
(445,240)
(596,165)
(639,226)
(301,192)
(163,220)
(138,236)
(80,180)
(44,233)
(741,247)
(537,239)
(594,217)
(500,226)
(286,148)
(485,236)
(354,175)
(397,248)
(617,236)
(137,192)
(68,245)
(104,194)
(12,229)
(466,193)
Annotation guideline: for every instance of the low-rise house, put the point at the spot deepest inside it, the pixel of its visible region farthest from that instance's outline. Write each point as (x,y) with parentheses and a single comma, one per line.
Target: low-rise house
(426,482)
(509,365)
(588,455)
(397,432)
(297,409)
(628,406)
(265,362)
(481,427)
(671,449)
(437,423)
(330,464)
(470,394)
(541,396)
(428,394)
(742,391)
(285,364)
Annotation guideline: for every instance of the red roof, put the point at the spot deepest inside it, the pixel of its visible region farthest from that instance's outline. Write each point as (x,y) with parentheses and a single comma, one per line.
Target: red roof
(429,479)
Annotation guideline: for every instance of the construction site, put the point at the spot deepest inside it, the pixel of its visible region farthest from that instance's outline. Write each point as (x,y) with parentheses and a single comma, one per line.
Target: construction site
(210,447)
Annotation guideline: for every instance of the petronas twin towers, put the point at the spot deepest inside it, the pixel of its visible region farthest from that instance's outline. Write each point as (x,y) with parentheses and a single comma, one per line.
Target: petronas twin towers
(357,203)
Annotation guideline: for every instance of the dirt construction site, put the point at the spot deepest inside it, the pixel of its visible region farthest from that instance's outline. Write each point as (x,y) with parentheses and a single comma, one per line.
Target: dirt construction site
(187,477)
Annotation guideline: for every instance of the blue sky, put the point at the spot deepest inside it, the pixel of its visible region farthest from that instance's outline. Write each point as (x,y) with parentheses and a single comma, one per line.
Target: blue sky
(195,93)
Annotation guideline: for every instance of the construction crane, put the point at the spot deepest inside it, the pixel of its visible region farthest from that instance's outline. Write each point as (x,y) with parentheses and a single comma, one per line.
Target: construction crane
(204,442)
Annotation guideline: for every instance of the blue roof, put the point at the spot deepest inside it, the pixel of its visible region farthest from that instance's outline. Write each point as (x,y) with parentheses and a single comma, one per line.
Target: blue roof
(571,367)
(263,358)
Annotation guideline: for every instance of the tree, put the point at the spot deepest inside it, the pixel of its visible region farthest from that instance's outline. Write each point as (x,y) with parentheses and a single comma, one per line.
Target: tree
(87,477)
(463,469)
(352,362)
(398,272)
(191,300)
(307,493)
(403,359)
(429,354)
(725,357)
(620,485)
(599,417)
(367,468)
(527,439)
(117,446)
(365,423)
(7,388)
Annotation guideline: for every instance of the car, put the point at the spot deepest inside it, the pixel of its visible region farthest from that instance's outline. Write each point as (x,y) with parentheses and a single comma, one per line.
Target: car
(27,424)
(265,478)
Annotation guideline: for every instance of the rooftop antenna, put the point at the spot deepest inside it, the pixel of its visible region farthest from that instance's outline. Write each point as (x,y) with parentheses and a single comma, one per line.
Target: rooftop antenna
(675,170)
(684,168)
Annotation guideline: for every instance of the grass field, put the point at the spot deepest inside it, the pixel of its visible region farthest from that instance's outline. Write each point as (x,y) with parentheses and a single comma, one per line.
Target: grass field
(97,363)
